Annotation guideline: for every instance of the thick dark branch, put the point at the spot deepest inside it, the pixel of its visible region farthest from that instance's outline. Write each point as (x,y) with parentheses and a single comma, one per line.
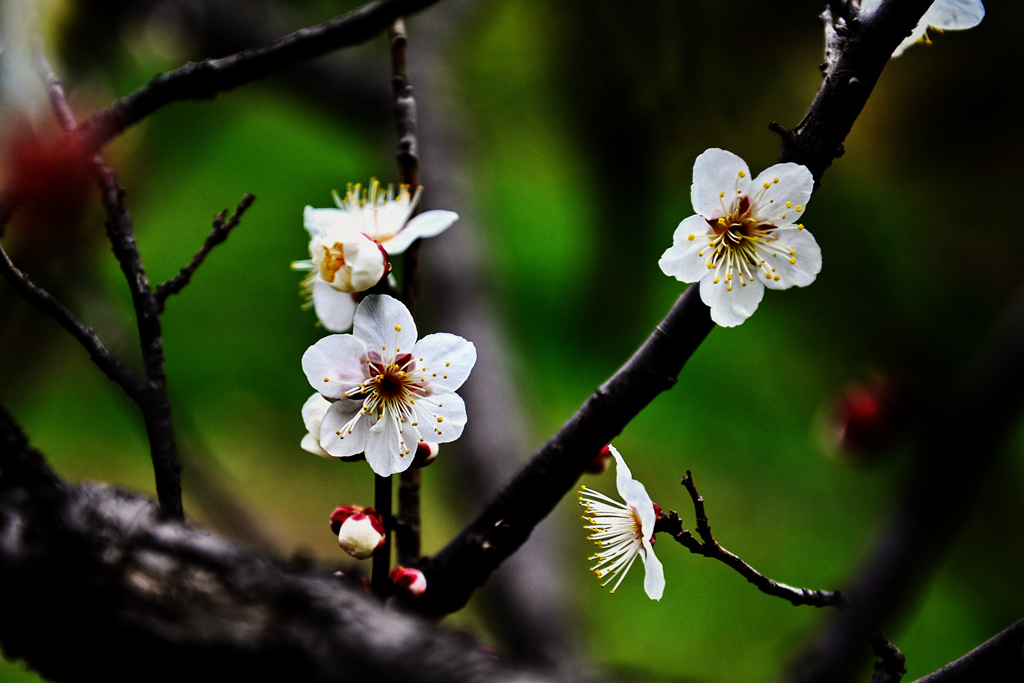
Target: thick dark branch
(206,79)
(673,525)
(864,44)
(143,594)
(466,562)
(38,297)
(222,227)
(997,660)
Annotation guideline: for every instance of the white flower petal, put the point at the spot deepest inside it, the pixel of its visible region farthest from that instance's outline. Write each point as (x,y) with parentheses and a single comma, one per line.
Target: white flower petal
(686,260)
(318,220)
(335,364)
(716,171)
(787,182)
(385,448)
(385,325)
(334,309)
(313,411)
(427,224)
(353,433)
(311,444)
(730,308)
(954,15)
(440,416)
(808,260)
(654,573)
(447,359)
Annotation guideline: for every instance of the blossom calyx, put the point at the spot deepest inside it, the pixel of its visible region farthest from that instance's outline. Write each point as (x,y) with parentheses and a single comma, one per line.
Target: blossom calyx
(410,580)
(426,453)
(360,530)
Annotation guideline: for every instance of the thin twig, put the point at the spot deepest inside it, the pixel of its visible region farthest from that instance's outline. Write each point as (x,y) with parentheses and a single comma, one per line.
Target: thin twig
(407,528)
(222,227)
(118,372)
(204,80)
(672,524)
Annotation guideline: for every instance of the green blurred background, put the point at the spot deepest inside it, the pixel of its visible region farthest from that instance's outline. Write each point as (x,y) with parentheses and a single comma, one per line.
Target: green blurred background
(580,123)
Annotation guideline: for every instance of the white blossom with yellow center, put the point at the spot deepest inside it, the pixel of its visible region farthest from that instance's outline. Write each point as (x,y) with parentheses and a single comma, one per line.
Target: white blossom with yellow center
(623,531)
(745,236)
(382,215)
(943,15)
(388,391)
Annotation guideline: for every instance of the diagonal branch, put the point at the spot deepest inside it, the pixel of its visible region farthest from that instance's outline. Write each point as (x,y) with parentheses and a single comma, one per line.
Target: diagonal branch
(997,660)
(205,80)
(222,227)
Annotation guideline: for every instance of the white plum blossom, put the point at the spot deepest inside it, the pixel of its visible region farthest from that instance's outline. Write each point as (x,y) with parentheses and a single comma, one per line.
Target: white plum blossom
(342,261)
(381,215)
(313,411)
(623,531)
(943,15)
(745,235)
(388,392)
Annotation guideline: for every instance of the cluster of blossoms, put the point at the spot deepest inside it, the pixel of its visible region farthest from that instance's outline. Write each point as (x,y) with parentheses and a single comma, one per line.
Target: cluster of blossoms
(943,15)
(349,246)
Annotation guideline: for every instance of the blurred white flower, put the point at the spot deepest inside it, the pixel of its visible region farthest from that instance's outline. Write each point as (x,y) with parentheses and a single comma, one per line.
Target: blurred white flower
(381,215)
(388,392)
(623,531)
(943,15)
(744,236)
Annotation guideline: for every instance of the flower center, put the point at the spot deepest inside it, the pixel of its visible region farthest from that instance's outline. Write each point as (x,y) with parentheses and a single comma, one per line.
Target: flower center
(333,261)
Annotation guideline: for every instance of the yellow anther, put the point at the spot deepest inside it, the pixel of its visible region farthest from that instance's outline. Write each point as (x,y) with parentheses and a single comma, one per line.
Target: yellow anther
(690,238)
(776,278)
(792,252)
(729,276)
(728,288)
(743,174)
(440,419)
(767,185)
(721,194)
(716,280)
(789,205)
(792,260)
(799,208)
(327,379)
(447,364)
(775,180)
(398,328)
(721,221)
(800,227)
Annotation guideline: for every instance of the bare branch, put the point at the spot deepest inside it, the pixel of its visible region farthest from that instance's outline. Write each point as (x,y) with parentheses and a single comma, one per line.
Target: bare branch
(206,79)
(21,464)
(222,227)
(997,660)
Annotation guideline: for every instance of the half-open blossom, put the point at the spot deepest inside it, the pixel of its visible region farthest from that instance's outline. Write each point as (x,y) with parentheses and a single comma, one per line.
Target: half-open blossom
(623,531)
(381,215)
(343,261)
(313,411)
(943,15)
(409,579)
(360,530)
(389,392)
(745,235)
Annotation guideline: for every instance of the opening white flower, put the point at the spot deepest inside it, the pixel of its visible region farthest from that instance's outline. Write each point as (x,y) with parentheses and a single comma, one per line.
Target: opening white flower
(381,215)
(388,392)
(943,15)
(745,235)
(623,531)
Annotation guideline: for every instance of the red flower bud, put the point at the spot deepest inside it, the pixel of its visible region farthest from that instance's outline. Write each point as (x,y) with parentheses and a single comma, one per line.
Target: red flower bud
(360,530)
(409,579)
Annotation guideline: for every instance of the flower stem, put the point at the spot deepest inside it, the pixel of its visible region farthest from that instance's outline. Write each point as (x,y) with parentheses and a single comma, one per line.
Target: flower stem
(380,577)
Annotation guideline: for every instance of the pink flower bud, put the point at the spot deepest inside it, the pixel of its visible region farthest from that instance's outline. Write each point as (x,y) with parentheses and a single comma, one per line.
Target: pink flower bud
(411,580)
(600,462)
(360,530)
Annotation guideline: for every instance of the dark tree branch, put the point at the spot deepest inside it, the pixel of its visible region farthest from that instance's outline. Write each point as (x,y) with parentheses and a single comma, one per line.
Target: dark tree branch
(145,594)
(380,574)
(466,562)
(206,79)
(222,227)
(407,529)
(997,660)
(38,297)
(20,464)
(151,395)
(672,524)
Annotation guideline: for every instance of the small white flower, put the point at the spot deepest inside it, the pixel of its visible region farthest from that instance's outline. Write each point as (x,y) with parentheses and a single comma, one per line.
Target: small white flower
(943,15)
(745,235)
(389,392)
(313,411)
(381,215)
(343,261)
(623,531)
